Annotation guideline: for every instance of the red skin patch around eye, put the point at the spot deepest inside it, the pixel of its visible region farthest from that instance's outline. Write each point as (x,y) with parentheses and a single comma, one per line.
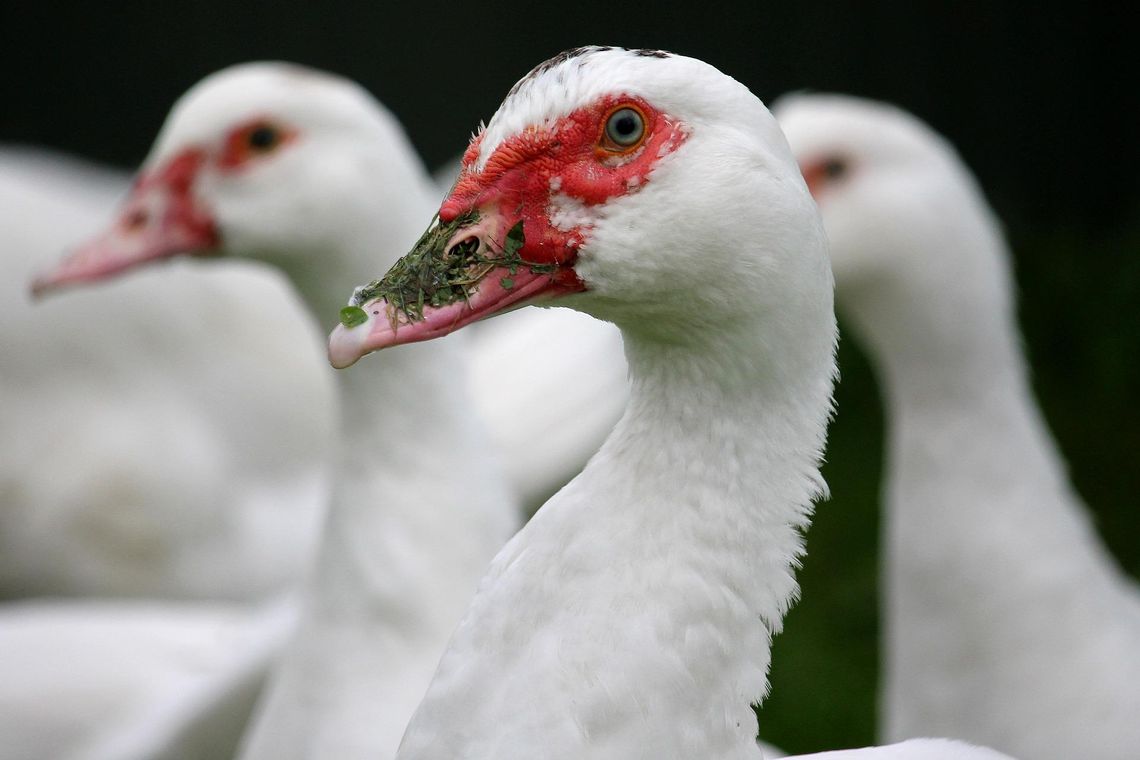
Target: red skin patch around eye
(555,169)
(817,173)
(237,153)
(529,169)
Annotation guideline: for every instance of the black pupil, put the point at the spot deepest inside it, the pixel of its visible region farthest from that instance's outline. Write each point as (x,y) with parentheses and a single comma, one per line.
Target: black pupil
(626,125)
(263,138)
(835,168)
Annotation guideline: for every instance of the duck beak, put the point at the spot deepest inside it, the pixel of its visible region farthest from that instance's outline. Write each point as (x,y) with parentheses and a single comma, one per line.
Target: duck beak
(461,271)
(160,218)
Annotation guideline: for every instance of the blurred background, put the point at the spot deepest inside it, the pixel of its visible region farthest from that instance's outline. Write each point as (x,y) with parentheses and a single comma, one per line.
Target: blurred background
(1040,102)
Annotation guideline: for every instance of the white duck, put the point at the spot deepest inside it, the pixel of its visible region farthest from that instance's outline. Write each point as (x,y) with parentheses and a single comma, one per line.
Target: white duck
(148,477)
(305,171)
(632,617)
(87,437)
(1007,622)
(98,679)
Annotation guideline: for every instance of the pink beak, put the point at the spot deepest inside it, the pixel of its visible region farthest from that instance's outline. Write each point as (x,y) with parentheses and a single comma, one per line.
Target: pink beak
(384,326)
(159,219)
(405,306)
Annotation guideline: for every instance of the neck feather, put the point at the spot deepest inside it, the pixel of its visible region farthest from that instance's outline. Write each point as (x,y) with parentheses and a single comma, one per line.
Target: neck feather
(417,511)
(378,552)
(633,615)
(993,566)
(972,457)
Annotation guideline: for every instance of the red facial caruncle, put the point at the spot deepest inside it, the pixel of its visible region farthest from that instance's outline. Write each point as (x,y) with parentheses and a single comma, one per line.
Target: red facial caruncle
(528,176)
(252,140)
(163,216)
(547,178)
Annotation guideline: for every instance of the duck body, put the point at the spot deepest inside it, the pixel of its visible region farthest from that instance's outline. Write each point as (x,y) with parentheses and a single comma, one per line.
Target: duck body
(632,616)
(306,172)
(1007,621)
(121,480)
(93,680)
(912,749)
(102,497)
(393,575)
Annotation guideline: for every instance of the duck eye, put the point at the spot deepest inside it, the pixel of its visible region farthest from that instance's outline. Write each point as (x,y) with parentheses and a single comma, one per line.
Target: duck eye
(264,138)
(624,128)
(834,168)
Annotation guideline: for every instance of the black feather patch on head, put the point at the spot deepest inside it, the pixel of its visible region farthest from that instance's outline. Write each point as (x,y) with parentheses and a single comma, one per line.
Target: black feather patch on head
(579,52)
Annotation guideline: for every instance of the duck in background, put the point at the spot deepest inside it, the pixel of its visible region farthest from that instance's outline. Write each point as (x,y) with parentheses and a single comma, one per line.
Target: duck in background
(114,679)
(632,616)
(1007,621)
(575,390)
(133,440)
(103,458)
(308,173)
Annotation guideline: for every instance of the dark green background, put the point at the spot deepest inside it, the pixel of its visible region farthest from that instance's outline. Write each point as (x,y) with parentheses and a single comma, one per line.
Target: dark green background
(1040,100)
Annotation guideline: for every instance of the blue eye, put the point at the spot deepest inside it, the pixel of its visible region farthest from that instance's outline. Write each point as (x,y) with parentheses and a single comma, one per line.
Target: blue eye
(625,127)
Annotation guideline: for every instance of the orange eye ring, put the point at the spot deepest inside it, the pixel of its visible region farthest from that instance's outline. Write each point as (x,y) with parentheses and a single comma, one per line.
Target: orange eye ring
(264,137)
(254,140)
(623,130)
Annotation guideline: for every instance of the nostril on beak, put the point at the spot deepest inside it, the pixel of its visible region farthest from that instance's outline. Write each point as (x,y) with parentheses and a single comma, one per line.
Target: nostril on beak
(135,220)
(464,247)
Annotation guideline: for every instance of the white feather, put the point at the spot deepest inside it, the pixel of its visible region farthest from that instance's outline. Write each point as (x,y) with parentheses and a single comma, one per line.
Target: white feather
(133,436)
(1007,621)
(632,616)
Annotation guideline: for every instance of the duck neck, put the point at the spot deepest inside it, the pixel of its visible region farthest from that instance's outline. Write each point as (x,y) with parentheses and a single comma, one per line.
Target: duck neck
(379,557)
(986,543)
(723,490)
(971,465)
(661,572)
(416,512)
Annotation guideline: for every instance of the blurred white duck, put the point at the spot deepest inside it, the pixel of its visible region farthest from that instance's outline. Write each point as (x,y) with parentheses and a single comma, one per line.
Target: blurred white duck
(1007,621)
(576,388)
(632,617)
(112,680)
(102,458)
(305,171)
(129,477)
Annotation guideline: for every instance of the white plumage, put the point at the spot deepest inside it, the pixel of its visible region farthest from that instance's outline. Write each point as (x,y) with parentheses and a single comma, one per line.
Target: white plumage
(632,616)
(392,574)
(1007,621)
(133,440)
(102,680)
(574,387)
(131,466)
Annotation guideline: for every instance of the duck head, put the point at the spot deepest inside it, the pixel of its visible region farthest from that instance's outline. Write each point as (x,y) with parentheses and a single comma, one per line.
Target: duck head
(919,258)
(267,160)
(641,187)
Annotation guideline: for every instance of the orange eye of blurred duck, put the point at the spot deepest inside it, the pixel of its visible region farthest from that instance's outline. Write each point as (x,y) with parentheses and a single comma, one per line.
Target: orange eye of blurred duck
(249,142)
(834,168)
(624,130)
(263,138)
